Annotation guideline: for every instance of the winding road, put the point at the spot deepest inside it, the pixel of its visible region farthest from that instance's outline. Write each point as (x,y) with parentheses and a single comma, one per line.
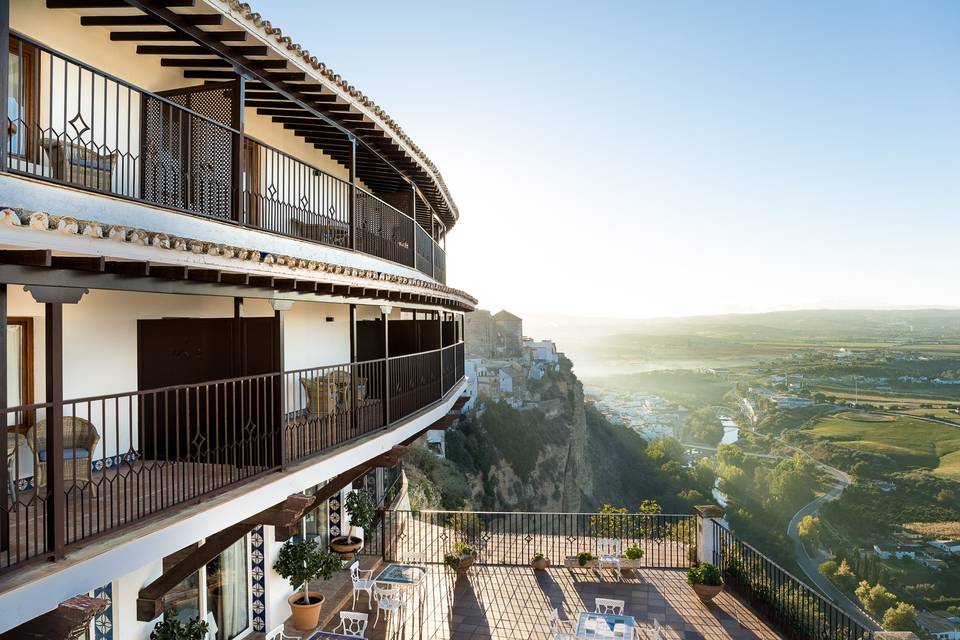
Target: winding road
(810,566)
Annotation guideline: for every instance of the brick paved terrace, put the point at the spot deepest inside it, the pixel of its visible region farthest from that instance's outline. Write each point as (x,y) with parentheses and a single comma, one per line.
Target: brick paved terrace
(496,601)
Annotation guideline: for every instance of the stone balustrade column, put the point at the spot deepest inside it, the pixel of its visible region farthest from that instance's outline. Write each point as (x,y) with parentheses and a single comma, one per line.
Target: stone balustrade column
(707,514)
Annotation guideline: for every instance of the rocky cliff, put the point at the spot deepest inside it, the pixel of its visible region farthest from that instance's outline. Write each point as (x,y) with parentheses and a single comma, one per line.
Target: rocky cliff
(507,459)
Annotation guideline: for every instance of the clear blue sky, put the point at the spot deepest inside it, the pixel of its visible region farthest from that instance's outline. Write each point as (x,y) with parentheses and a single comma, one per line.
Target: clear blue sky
(639,159)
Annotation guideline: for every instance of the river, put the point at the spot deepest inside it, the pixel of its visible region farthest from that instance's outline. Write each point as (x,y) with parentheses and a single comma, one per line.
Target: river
(731,433)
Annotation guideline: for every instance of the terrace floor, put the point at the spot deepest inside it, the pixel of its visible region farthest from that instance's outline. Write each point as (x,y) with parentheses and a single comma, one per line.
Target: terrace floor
(495,601)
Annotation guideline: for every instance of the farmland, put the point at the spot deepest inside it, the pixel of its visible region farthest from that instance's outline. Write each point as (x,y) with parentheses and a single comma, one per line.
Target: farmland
(911,443)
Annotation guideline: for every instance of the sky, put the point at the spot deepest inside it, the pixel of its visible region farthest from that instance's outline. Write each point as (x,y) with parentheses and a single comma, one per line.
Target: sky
(640,159)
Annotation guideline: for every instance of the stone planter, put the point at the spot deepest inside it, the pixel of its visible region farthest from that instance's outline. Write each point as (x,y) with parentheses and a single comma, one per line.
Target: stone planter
(707,592)
(541,564)
(346,546)
(464,563)
(571,562)
(306,617)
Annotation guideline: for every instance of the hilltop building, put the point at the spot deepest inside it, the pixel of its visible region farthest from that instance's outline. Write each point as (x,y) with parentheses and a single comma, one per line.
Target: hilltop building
(497,335)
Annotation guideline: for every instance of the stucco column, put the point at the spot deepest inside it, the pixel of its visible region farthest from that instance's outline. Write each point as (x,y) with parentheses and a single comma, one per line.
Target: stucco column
(707,514)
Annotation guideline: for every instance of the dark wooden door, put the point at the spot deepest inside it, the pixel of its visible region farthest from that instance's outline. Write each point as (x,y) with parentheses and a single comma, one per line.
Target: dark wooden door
(216,418)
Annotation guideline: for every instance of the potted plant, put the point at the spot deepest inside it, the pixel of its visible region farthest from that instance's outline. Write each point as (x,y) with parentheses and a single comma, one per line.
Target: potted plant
(362,514)
(706,579)
(633,556)
(299,562)
(539,562)
(172,629)
(462,558)
(584,557)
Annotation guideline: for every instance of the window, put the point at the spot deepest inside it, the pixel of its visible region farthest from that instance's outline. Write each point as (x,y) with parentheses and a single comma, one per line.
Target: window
(21,97)
(316,524)
(221,590)
(19,366)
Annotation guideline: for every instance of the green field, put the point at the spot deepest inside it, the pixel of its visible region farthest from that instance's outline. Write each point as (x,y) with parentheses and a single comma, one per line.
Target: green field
(911,443)
(883,399)
(940,414)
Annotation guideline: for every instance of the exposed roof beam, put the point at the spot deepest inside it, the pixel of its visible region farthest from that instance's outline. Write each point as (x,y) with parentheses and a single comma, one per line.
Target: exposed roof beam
(147,21)
(175,36)
(196,49)
(108,4)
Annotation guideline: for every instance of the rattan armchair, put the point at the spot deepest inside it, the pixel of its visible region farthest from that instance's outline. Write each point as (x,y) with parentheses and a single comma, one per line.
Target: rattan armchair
(80,164)
(80,439)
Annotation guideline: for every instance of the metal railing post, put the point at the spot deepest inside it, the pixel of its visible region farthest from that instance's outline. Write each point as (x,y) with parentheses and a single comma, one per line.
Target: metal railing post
(5,123)
(353,192)
(56,498)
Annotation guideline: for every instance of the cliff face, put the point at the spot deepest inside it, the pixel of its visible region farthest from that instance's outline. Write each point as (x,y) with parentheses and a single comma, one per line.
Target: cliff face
(524,461)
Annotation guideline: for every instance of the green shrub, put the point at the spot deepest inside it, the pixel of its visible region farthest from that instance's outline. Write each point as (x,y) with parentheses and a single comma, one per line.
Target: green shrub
(704,573)
(634,553)
(537,556)
(584,557)
(462,548)
(172,629)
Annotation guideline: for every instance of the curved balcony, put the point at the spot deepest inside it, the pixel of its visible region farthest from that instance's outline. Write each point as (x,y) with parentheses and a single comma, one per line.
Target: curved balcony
(126,457)
(186,149)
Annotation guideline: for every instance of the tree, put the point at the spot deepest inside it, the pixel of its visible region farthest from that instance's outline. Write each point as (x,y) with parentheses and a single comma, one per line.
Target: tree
(828,568)
(902,617)
(845,575)
(650,507)
(810,529)
(663,450)
(876,599)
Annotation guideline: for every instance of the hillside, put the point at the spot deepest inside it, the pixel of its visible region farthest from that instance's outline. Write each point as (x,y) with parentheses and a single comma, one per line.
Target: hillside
(508,459)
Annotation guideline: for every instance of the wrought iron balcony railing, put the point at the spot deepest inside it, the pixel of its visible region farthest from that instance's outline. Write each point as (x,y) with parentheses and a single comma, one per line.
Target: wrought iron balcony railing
(186,149)
(128,456)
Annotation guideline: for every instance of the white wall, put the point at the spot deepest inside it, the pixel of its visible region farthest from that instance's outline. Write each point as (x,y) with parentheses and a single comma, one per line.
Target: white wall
(100,347)
(125,591)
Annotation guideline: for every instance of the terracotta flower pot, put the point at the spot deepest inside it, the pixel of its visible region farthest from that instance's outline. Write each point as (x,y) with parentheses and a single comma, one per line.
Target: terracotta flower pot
(540,565)
(346,546)
(707,592)
(306,617)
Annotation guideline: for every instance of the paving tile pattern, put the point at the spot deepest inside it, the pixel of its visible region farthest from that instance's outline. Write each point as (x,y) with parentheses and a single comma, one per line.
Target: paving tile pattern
(515,602)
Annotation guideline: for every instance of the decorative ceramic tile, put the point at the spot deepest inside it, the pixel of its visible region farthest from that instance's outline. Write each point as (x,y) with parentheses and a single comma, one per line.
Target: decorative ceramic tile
(103,623)
(257,579)
(333,515)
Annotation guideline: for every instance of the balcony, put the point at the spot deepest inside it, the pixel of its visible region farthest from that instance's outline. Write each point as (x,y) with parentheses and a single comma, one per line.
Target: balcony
(187,150)
(160,448)
(502,597)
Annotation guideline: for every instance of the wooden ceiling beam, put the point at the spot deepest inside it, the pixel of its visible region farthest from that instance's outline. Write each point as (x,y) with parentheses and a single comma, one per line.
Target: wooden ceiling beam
(196,50)
(147,21)
(209,63)
(128,268)
(174,36)
(96,264)
(27,257)
(109,4)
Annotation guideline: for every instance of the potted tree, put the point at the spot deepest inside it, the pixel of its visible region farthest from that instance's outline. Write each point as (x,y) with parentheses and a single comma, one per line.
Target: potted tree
(362,514)
(539,562)
(172,629)
(706,580)
(299,562)
(462,558)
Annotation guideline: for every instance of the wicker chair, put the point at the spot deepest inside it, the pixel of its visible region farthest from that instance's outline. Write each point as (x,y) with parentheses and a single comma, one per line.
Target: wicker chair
(79,164)
(80,439)
(331,393)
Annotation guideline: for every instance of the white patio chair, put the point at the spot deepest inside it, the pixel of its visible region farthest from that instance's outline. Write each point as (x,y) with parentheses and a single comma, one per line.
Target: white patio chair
(608,555)
(607,605)
(388,599)
(362,582)
(559,627)
(352,624)
(657,633)
(278,634)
